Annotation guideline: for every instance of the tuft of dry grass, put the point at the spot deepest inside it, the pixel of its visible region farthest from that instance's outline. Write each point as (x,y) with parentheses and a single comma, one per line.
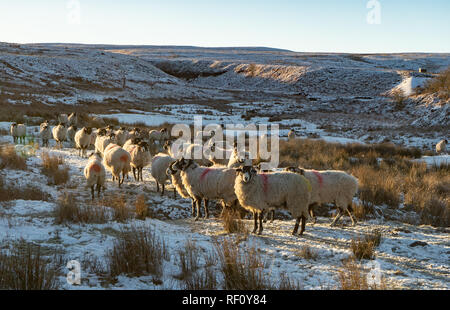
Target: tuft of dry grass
(10,159)
(54,169)
(439,85)
(121,212)
(141,207)
(204,280)
(68,209)
(364,247)
(22,267)
(189,259)
(232,222)
(399,99)
(241,269)
(288,284)
(8,193)
(353,277)
(137,251)
(307,252)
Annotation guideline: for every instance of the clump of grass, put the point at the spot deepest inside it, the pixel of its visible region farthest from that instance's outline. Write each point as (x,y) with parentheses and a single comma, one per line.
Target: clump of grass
(10,159)
(54,169)
(22,267)
(439,85)
(307,252)
(69,209)
(364,247)
(241,269)
(8,193)
(141,207)
(189,259)
(288,284)
(121,212)
(137,251)
(203,280)
(399,99)
(353,277)
(232,223)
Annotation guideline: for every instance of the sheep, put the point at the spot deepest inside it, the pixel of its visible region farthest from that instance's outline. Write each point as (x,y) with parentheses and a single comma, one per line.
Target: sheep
(45,134)
(191,149)
(101,142)
(259,192)
(59,134)
(140,157)
(175,176)
(239,159)
(291,135)
(72,119)
(160,135)
(109,129)
(117,160)
(134,133)
(441,147)
(63,119)
(18,132)
(330,186)
(160,163)
(207,183)
(94,132)
(225,155)
(95,174)
(83,140)
(121,136)
(71,133)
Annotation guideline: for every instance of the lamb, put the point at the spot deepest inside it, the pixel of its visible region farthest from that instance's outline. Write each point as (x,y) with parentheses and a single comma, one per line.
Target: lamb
(71,133)
(83,140)
(95,174)
(441,147)
(160,163)
(73,119)
(207,183)
(259,192)
(63,119)
(330,186)
(45,134)
(59,134)
(160,135)
(121,136)
(18,132)
(117,160)
(140,157)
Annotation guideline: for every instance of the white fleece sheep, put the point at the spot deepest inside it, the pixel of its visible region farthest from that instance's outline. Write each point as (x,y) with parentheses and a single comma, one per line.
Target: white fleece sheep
(71,131)
(160,163)
(83,140)
(101,142)
(95,174)
(207,183)
(45,134)
(259,192)
(239,159)
(117,161)
(72,119)
(291,135)
(18,132)
(63,119)
(121,136)
(441,147)
(140,158)
(330,186)
(190,150)
(159,135)
(224,154)
(59,134)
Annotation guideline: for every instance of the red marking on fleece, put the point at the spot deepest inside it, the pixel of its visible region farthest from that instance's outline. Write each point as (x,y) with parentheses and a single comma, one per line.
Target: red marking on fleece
(265,182)
(207,170)
(319,176)
(109,147)
(95,168)
(124,158)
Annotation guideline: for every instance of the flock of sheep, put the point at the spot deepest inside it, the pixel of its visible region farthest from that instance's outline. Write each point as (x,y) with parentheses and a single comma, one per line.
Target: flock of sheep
(234,181)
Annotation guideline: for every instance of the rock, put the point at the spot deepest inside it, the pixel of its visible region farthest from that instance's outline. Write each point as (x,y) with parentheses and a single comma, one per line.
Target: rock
(417,243)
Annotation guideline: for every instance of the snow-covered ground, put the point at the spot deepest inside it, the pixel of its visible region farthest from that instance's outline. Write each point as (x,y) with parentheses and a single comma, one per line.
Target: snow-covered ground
(402,264)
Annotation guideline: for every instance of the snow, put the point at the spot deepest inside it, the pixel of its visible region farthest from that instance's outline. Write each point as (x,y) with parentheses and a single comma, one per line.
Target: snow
(437,160)
(409,84)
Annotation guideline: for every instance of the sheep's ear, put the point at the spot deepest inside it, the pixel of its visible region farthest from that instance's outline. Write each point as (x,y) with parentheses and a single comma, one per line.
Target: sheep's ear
(239,169)
(302,172)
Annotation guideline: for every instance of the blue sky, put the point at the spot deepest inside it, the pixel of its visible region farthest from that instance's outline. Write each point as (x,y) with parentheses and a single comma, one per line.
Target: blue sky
(308,26)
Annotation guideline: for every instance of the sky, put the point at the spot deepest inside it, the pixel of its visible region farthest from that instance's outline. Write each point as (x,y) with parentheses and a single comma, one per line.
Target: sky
(297,25)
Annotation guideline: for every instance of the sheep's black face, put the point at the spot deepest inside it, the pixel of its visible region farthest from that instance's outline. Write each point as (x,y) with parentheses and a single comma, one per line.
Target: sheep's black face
(246,173)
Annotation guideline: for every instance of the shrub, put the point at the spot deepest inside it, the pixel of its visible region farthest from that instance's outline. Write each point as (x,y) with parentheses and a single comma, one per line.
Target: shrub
(137,251)
(55,174)
(439,84)
(24,268)
(10,159)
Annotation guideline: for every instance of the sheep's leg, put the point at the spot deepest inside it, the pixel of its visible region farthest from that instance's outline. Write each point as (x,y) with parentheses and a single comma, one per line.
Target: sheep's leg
(297,222)
(193,207)
(272,216)
(349,211)
(338,216)
(311,212)
(260,216)
(99,188)
(134,174)
(174,193)
(255,223)
(140,173)
(302,229)
(92,191)
(157,186)
(205,202)
(197,203)
(162,193)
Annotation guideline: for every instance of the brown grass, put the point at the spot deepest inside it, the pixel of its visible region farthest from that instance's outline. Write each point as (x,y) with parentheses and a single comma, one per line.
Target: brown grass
(8,193)
(189,260)
(24,268)
(137,251)
(307,252)
(232,222)
(399,99)
(141,207)
(54,169)
(364,247)
(121,211)
(68,209)
(353,277)
(10,159)
(440,85)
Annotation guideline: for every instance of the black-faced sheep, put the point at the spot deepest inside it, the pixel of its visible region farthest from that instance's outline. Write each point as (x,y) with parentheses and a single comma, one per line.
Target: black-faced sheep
(18,132)
(45,134)
(83,140)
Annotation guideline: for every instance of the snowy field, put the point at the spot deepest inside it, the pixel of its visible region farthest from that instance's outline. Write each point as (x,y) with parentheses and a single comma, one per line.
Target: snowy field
(403,265)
